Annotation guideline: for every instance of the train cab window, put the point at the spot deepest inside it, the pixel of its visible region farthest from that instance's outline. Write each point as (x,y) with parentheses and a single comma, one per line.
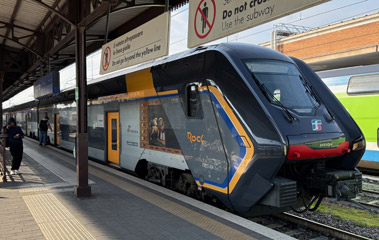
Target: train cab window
(363,84)
(283,85)
(193,100)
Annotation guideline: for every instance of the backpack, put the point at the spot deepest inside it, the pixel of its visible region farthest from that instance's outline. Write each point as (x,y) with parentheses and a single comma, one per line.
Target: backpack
(43,125)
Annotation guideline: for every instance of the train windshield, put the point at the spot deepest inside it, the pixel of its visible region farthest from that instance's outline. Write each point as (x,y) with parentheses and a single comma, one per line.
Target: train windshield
(283,84)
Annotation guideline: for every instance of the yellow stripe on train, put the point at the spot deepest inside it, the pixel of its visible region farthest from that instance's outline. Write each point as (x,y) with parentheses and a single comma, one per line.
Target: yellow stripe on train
(249,150)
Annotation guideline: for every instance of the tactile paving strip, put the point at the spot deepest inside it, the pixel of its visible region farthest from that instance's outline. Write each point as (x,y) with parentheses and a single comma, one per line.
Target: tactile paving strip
(33,190)
(54,220)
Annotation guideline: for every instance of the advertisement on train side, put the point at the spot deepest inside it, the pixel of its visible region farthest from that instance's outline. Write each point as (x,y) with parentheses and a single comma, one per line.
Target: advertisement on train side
(142,44)
(156,131)
(210,20)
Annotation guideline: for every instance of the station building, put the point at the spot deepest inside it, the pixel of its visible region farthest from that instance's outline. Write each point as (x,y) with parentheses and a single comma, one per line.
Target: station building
(345,44)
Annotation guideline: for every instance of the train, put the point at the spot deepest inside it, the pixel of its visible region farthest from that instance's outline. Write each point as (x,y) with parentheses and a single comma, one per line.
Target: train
(357,88)
(240,125)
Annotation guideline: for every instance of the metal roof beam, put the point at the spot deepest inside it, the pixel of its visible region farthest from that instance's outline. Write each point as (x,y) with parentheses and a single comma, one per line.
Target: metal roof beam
(13,88)
(12,25)
(43,21)
(69,20)
(61,44)
(97,13)
(14,13)
(21,44)
(53,10)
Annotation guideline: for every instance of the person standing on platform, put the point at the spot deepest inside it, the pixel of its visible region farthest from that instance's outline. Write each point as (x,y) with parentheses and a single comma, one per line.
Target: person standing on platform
(44,125)
(14,141)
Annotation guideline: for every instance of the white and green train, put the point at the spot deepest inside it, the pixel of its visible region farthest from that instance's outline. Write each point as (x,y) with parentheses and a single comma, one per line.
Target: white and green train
(358,90)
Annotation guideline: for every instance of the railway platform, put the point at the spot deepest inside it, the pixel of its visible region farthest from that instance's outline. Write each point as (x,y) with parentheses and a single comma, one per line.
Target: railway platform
(40,204)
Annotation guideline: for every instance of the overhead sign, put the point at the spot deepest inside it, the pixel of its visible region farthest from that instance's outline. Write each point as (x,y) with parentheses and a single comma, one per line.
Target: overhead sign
(47,85)
(144,43)
(210,20)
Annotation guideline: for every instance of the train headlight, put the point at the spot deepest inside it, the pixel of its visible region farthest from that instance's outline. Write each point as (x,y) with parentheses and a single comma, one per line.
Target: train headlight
(285,150)
(359,144)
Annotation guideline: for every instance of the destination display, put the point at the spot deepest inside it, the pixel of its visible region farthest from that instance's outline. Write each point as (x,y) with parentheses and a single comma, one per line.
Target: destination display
(210,20)
(144,43)
(47,85)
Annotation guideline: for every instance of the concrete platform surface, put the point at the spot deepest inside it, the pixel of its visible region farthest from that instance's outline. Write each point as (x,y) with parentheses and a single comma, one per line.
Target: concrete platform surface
(40,204)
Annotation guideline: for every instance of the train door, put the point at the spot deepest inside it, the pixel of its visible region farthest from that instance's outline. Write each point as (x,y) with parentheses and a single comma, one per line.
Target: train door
(26,125)
(56,128)
(113,137)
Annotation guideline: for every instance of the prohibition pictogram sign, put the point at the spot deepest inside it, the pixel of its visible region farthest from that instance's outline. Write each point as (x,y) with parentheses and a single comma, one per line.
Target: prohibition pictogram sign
(203,18)
(106,58)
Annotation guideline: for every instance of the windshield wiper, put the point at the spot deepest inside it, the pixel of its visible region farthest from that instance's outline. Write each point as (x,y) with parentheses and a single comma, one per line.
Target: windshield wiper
(310,90)
(269,95)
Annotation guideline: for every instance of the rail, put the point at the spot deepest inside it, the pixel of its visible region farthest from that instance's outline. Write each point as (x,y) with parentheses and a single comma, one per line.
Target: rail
(371,205)
(319,227)
(3,169)
(370,191)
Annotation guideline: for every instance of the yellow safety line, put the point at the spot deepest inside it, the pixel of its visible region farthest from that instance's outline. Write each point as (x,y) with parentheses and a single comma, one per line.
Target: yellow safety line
(204,222)
(54,220)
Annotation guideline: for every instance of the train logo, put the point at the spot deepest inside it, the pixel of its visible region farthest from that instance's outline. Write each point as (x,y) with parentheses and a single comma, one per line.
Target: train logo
(130,130)
(193,138)
(316,125)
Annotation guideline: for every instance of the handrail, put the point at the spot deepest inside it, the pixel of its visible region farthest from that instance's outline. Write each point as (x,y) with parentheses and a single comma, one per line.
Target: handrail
(3,169)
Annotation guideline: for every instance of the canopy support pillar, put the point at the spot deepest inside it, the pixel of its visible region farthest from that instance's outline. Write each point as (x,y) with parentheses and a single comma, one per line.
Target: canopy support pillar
(82,189)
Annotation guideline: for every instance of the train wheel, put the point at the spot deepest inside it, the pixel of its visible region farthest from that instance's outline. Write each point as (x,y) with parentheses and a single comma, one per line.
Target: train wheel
(187,185)
(154,175)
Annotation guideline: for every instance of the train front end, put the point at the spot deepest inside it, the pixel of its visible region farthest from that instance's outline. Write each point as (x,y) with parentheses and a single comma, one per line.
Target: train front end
(321,144)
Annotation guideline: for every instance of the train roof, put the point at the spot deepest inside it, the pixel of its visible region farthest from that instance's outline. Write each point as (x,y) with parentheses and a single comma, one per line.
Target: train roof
(234,51)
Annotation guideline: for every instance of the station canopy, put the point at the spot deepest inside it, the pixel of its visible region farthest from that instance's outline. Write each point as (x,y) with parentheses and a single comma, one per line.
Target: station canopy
(38,36)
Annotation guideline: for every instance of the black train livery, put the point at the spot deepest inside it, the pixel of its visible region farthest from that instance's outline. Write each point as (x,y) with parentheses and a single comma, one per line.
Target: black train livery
(239,124)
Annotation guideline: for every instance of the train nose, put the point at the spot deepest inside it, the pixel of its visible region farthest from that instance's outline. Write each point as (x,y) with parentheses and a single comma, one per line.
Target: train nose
(308,146)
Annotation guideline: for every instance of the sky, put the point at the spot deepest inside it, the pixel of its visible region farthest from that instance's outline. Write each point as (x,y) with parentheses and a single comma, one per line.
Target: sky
(321,15)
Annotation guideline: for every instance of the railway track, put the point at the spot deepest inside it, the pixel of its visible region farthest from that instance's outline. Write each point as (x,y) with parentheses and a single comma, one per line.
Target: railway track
(371,192)
(372,204)
(319,227)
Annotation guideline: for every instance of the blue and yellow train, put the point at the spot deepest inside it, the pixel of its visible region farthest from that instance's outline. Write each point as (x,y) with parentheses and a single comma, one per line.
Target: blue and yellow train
(235,123)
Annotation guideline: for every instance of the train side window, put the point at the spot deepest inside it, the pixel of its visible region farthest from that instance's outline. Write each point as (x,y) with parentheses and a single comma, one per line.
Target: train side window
(193,100)
(363,84)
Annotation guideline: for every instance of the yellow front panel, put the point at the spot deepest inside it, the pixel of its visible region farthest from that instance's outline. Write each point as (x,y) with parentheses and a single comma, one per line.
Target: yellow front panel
(113,138)
(140,84)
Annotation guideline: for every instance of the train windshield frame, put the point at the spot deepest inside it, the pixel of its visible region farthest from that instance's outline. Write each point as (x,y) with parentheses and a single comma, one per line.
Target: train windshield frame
(283,84)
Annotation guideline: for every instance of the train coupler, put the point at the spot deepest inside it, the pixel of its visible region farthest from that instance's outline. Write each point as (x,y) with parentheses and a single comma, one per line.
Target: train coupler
(339,184)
